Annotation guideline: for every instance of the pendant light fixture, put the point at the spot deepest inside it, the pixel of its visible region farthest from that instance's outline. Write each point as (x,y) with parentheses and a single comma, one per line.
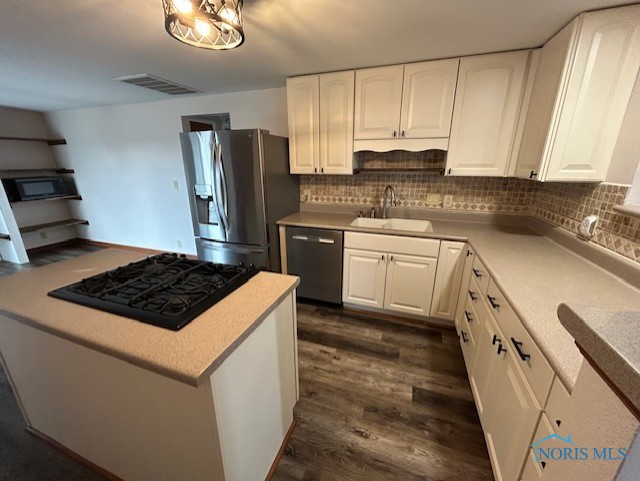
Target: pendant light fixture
(212,24)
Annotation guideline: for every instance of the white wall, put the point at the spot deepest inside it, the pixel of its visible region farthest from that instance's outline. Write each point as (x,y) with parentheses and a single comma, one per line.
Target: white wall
(127,156)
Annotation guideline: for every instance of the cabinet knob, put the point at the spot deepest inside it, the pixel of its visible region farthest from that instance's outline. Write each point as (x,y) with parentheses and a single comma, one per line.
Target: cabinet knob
(402,133)
(315,170)
(395,134)
(391,258)
(382,256)
(322,170)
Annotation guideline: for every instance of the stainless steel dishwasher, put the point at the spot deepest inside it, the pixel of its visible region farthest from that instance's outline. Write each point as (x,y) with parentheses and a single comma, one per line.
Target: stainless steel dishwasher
(315,255)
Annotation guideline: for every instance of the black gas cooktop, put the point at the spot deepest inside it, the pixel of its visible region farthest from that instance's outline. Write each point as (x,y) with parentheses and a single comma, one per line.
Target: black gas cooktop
(166,290)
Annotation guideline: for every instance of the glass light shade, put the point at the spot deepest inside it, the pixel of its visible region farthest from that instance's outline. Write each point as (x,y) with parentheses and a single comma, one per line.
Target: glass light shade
(212,24)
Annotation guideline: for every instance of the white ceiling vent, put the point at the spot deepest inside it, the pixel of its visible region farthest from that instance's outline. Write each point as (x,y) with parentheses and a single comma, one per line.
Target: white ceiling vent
(156,83)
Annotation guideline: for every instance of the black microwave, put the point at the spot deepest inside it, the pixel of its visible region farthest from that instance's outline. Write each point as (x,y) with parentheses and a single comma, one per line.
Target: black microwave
(34,188)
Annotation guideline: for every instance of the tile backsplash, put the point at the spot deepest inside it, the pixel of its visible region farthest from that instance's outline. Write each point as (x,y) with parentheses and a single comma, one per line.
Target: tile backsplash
(562,204)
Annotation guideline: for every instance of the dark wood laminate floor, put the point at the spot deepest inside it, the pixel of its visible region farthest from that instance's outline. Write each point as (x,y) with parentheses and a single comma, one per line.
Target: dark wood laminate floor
(381,400)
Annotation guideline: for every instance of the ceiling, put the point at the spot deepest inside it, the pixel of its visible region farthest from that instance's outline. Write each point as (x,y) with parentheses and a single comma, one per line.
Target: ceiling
(58,55)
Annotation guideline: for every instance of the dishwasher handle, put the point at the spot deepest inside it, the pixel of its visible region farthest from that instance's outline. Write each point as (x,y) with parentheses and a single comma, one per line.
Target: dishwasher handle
(313,238)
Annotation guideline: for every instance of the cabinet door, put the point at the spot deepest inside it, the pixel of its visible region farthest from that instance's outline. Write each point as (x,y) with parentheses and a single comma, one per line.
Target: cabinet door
(427,98)
(378,99)
(364,277)
(488,99)
(487,369)
(410,282)
(602,76)
(448,278)
(544,102)
(512,424)
(303,106)
(336,122)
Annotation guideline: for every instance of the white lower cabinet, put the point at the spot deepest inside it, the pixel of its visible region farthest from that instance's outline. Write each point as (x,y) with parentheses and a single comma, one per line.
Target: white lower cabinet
(514,417)
(364,277)
(389,272)
(409,284)
(451,261)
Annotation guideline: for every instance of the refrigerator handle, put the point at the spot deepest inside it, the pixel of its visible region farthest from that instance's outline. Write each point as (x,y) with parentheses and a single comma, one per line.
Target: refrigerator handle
(222,190)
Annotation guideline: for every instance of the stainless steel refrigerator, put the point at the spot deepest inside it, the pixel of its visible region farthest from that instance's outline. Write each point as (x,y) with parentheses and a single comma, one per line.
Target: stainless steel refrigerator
(240,186)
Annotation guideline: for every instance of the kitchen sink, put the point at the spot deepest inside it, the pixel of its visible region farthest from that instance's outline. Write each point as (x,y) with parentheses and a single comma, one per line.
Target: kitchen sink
(411,225)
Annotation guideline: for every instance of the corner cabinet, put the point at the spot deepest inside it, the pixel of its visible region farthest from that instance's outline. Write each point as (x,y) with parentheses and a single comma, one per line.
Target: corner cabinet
(488,100)
(581,90)
(320,110)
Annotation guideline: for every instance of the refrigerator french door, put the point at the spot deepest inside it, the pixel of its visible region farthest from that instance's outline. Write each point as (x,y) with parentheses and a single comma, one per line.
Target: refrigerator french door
(231,173)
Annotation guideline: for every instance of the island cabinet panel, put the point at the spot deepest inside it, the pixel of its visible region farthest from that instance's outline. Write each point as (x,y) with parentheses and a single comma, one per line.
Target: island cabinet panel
(140,425)
(90,402)
(254,412)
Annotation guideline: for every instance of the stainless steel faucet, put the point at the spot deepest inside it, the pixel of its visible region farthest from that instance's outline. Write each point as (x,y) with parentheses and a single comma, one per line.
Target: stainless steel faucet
(385,205)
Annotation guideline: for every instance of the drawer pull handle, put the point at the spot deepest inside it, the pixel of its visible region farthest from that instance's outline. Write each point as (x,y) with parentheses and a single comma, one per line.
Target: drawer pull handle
(501,349)
(469,253)
(477,273)
(473,296)
(467,314)
(463,335)
(518,345)
(492,301)
(495,339)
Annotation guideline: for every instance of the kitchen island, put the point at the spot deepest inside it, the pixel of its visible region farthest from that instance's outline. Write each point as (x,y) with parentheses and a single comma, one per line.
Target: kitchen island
(213,401)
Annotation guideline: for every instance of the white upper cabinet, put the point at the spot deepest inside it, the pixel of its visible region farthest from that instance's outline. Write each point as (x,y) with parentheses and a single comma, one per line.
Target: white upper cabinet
(580,95)
(378,102)
(427,98)
(336,122)
(488,99)
(405,107)
(320,109)
(303,106)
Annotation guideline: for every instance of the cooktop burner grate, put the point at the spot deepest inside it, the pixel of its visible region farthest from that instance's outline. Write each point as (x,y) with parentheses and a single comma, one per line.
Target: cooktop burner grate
(165,290)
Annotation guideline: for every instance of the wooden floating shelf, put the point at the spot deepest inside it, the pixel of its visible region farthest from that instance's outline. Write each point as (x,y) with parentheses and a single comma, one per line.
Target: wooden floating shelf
(432,170)
(5,237)
(43,169)
(49,199)
(53,225)
(36,139)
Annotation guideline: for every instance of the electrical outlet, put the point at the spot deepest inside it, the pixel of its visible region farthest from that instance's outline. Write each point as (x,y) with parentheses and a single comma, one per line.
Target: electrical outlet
(176,184)
(179,242)
(433,199)
(43,235)
(448,200)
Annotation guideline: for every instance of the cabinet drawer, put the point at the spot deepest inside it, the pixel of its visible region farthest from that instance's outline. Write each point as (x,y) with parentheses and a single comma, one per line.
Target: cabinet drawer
(390,243)
(480,275)
(534,365)
(557,404)
(532,471)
